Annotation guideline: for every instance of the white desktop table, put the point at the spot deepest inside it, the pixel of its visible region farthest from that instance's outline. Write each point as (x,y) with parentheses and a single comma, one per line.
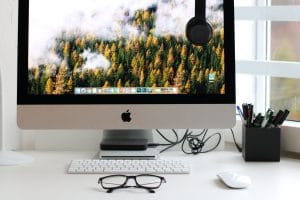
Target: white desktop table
(46,179)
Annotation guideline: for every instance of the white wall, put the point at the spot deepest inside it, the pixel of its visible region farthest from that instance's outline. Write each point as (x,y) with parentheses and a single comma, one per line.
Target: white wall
(30,140)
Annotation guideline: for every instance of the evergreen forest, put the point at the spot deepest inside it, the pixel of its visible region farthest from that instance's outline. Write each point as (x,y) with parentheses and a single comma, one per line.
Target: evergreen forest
(146,60)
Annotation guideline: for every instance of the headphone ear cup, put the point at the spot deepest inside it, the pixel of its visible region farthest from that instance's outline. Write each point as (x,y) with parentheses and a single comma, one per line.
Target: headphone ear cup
(199,32)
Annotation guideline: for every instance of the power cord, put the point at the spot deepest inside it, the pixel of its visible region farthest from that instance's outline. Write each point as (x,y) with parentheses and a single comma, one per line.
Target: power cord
(197,143)
(192,143)
(236,144)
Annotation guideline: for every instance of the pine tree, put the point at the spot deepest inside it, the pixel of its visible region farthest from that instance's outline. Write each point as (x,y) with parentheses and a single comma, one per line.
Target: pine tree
(146,15)
(157,62)
(69,88)
(119,84)
(77,42)
(110,72)
(120,71)
(113,48)
(223,61)
(134,65)
(166,75)
(142,78)
(206,73)
(183,53)
(36,73)
(170,59)
(66,50)
(179,79)
(222,34)
(60,81)
(114,58)
(152,78)
(167,84)
(127,84)
(192,59)
(154,41)
(101,48)
(200,76)
(107,52)
(82,43)
(49,86)
(149,41)
(222,91)
(187,87)
(43,80)
(75,56)
(106,84)
(171,73)
(158,77)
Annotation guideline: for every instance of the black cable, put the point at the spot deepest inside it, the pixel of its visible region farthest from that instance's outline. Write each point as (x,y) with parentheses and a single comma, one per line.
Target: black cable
(166,139)
(173,130)
(195,142)
(167,148)
(170,143)
(218,143)
(196,145)
(236,144)
(177,141)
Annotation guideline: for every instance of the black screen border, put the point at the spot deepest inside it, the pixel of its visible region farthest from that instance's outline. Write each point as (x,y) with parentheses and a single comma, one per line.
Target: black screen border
(23,98)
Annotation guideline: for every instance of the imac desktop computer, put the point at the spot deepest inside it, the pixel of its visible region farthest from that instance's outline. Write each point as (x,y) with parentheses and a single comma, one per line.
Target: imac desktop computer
(126,66)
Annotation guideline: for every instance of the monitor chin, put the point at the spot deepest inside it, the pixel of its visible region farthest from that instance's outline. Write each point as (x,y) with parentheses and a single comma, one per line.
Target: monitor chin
(192,116)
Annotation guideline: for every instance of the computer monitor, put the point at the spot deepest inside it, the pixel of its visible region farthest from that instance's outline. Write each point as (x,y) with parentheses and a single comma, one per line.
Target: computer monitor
(123,64)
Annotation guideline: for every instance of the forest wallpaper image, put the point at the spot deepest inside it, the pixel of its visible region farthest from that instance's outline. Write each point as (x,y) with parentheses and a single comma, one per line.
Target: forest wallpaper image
(134,43)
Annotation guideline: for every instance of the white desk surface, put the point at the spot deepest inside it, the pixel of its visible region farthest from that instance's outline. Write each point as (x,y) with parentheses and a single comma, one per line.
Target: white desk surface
(46,179)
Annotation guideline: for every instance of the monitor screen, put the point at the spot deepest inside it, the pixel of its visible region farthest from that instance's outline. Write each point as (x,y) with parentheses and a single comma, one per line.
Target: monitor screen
(122,47)
(123,52)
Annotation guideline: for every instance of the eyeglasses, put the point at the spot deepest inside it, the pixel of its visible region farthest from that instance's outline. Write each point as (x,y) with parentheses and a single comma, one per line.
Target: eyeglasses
(143,181)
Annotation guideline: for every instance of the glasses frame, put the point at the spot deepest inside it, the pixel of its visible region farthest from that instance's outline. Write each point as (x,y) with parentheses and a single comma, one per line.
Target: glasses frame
(137,185)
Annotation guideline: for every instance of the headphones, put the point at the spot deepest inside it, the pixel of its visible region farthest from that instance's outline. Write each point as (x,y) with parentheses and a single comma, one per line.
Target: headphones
(198,30)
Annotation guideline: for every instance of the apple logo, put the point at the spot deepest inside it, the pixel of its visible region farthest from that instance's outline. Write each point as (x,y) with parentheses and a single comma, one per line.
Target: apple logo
(126,116)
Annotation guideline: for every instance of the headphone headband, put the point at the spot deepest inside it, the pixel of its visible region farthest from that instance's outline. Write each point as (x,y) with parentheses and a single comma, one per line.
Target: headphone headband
(200,9)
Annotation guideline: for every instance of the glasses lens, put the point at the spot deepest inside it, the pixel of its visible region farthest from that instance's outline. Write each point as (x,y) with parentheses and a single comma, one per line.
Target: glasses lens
(148,181)
(113,181)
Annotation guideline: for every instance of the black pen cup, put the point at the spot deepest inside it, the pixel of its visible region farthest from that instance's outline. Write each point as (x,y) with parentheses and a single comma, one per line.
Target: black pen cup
(261,144)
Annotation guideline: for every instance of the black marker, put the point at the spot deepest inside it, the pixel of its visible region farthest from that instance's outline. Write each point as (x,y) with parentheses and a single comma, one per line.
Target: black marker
(284,117)
(269,123)
(277,118)
(245,110)
(268,116)
(250,115)
(258,120)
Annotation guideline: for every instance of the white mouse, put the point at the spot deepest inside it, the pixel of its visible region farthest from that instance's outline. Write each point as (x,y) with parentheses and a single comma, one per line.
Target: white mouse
(234,180)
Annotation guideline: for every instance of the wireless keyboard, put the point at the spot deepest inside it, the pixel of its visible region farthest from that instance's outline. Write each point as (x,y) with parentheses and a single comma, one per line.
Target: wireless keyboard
(159,166)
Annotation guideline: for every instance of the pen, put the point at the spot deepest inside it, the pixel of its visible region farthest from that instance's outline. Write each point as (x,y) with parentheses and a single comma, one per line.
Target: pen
(257,122)
(268,115)
(245,110)
(269,123)
(277,118)
(284,117)
(240,114)
(250,114)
